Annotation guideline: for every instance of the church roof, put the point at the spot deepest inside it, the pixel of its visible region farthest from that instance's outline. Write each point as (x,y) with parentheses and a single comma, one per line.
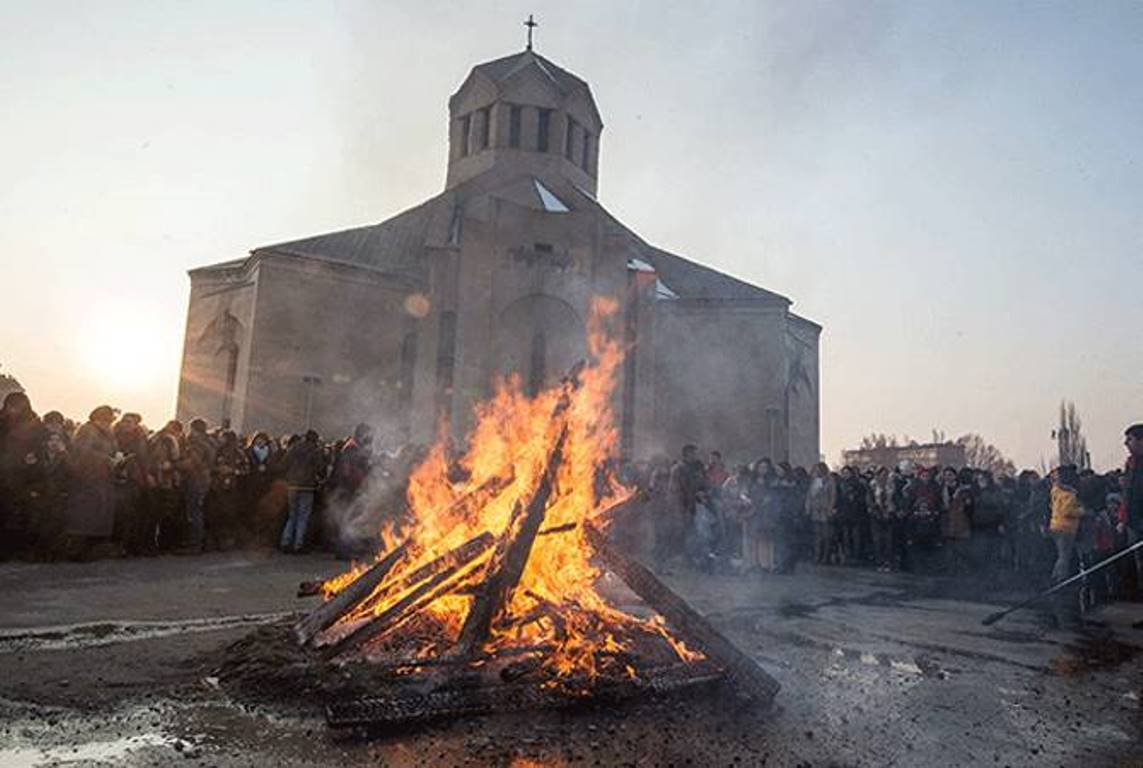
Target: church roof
(393,245)
(397,245)
(499,70)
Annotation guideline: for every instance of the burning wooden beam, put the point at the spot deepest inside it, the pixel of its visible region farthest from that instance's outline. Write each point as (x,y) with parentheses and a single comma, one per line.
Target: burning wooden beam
(507,565)
(356,591)
(747,677)
(364,586)
(404,709)
(435,579)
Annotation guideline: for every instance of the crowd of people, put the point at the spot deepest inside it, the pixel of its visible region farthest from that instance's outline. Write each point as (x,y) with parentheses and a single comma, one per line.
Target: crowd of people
(112,487)
(765,517)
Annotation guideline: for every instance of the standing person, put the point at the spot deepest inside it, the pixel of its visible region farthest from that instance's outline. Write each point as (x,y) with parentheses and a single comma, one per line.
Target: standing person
(91,503)
(821,508)
(958,497)
(21,435)
(788,508)
(224,524)
(259,504)
(166,450)
(989,514)
(765,519)
(197,465)
(351,466)
(1067,512)
(735,512)
(133,479)
(1132,504)
(851,513)
(304,467)
(687,480)
(882,504)
(50,497)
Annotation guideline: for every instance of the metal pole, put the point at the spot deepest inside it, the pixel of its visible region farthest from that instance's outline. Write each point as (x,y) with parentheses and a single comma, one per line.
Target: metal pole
(995,617)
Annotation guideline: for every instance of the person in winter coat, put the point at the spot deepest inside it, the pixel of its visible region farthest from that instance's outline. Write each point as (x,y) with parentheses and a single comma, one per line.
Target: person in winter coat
(305,467)
(196,468)
(1132,505)
(133,481)
(821,508)
(91,503)
(224,524)
(1067,513)
(50,490)
(882,505)
(167,509)
(958,496)
(263,490)
(21,436)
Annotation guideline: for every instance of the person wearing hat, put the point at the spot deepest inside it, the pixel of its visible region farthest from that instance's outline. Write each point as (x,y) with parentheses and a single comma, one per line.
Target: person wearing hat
(91,504)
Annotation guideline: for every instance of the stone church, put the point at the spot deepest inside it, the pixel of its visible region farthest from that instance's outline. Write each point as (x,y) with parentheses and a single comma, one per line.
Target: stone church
(403,322)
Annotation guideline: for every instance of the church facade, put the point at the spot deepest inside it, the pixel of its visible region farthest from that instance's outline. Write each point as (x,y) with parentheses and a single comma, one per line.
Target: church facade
(413,319)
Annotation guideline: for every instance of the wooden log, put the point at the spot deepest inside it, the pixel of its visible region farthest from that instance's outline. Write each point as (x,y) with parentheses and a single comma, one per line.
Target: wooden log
(505,571)
(449,571)
(365,585)
(359,589)
(404,708)
(748,678)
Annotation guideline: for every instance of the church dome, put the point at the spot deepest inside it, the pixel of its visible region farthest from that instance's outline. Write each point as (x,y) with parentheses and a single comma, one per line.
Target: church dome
(523,113)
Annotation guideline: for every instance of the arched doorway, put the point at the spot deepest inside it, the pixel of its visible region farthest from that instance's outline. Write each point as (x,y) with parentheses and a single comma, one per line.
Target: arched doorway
(538,337)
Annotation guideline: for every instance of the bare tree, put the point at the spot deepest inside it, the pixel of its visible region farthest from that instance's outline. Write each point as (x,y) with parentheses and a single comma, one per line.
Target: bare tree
(980,454)
(879,440)
(1070,443)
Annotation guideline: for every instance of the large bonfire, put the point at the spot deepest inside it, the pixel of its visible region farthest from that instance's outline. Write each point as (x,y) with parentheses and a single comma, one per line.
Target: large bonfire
(493,560)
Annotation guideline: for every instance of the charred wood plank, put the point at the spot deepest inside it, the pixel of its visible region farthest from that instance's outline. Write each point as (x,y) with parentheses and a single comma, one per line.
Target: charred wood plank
(416,595)
(511,557)
(365,585)
(359,589)
(406,709)
(748,678)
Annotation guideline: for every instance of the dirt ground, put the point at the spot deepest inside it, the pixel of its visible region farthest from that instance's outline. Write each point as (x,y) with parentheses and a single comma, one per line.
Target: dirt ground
(117,663)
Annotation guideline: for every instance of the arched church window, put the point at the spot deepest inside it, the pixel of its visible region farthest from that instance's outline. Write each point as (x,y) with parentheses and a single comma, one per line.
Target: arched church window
(536,370)
(485,127)
(514,126)
(569,139)
(408,366)
(465,131)
(230,359)
(446,358)
(544,130)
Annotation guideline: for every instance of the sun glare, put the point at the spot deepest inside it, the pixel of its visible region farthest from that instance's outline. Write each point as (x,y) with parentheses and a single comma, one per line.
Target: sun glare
(122,351)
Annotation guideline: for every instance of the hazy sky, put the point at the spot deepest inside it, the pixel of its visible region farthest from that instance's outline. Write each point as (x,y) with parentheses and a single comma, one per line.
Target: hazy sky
(953,189)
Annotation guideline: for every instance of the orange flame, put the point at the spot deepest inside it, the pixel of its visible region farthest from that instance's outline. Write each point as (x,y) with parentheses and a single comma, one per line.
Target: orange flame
(555,606)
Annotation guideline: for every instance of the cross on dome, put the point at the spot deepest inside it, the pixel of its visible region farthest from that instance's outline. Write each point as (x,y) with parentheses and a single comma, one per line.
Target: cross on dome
(530,24)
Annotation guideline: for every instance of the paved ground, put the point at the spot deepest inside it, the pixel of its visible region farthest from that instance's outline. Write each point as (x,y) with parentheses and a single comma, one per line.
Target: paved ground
(108,663)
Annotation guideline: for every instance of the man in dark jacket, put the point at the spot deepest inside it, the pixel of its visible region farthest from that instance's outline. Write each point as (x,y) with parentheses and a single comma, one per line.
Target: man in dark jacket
(305,465)
(197,464)
(21,435)
(1133,492)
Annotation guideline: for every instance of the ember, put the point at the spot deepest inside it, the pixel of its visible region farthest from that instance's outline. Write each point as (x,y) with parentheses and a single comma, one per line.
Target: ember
(495,572)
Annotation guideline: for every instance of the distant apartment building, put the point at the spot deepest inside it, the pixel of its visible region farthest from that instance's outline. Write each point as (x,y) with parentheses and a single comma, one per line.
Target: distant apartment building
(927,455)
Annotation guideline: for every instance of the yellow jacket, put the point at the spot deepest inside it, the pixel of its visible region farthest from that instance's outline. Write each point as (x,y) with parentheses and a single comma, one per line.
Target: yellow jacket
(1066,510)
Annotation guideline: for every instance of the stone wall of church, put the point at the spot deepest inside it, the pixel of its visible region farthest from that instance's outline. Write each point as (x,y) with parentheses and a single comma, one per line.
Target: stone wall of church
(216,345)
(719,378)
(804,399)
(528,281)
(332,349)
